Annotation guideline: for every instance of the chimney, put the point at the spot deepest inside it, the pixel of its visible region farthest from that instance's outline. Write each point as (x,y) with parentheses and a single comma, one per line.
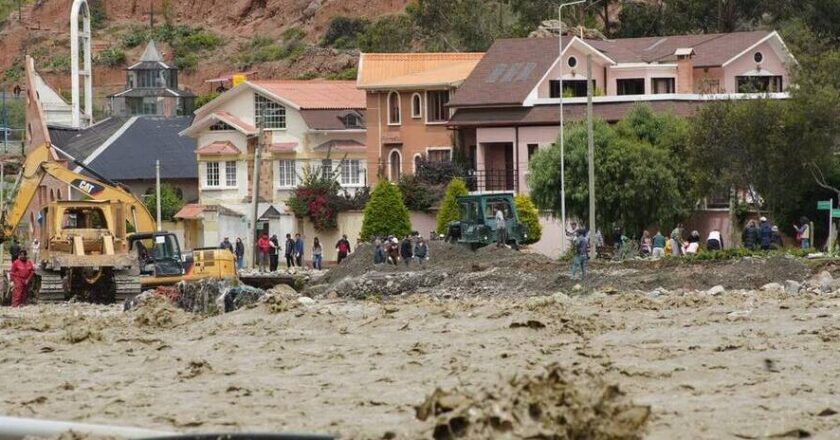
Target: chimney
(685,70)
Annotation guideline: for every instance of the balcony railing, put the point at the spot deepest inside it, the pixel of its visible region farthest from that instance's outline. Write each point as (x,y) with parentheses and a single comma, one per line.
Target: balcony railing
(492,180)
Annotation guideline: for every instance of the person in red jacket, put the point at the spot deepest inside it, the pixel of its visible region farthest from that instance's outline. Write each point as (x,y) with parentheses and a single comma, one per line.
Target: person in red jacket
(263,245)
(22,272)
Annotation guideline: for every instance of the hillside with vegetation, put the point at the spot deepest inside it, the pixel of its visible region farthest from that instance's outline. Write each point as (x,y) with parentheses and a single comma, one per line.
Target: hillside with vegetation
(303,39)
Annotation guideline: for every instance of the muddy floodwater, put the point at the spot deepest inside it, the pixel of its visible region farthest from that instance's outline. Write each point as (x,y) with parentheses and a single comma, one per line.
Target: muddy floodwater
(737,364)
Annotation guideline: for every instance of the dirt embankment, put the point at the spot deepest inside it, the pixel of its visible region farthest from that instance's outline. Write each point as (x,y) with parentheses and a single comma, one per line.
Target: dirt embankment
(455,271)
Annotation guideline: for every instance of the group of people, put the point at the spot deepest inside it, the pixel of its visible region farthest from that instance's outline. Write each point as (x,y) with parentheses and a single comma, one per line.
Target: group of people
(22,270)
(761,235)
(391,250)
(269,249)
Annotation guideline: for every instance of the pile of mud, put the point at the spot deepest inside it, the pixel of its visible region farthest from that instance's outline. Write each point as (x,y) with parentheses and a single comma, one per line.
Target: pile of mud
(452,271)
(555,404)
(158,311)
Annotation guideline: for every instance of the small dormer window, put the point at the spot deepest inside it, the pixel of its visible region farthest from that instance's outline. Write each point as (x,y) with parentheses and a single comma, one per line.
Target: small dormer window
(352,121)
(758,57)
(220,126)
(572,62)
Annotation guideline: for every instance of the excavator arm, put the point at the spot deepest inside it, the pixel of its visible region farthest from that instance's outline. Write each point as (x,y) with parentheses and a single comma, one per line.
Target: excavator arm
(39,164)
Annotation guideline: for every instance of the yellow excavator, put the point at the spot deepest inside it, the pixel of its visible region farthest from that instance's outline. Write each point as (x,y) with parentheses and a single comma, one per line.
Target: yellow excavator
(87,249)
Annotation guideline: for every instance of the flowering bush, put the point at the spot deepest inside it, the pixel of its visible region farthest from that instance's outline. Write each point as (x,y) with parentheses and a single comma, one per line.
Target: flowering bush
(317,198)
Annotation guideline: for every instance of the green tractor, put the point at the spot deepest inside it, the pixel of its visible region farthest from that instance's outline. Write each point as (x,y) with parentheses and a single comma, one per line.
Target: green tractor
(477,224)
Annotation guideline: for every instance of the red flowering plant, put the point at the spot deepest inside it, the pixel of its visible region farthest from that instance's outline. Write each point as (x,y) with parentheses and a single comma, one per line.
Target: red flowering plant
(318,197)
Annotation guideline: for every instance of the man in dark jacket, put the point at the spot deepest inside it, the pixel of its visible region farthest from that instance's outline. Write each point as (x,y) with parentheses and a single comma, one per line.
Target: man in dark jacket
(405,250)
(751,235)
(14,249)
(343,248)
(766,234)
(290,251)
(273,255)
(298,250)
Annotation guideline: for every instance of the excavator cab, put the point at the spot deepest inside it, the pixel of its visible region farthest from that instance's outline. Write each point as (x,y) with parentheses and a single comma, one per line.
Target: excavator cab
(158,254)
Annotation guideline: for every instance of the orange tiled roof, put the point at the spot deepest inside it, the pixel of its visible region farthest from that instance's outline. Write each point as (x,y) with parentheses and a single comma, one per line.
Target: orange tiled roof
(190,211)
(235,122)
(394,70)
(316,94)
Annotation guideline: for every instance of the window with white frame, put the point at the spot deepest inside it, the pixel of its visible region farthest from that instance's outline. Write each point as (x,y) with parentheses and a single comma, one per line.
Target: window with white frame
(351,172)
(394,108)
(436,110)
(271,113)
(440,155)
(326,167)
(416,106)
(286,176)
(230,173)
(211,176)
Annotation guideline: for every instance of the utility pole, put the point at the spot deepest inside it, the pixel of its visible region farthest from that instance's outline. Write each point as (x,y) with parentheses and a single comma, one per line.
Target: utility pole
(593,252)
(256,191)
(5,124)
(2,205)
(157,193)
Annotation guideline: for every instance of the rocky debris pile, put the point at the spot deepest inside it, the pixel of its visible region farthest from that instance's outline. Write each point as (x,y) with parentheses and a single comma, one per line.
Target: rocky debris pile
(553,404)
(158,311)
(452,271)
(549,28)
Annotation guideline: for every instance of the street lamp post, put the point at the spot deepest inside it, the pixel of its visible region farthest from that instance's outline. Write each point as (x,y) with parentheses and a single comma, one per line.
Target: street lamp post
(562,136)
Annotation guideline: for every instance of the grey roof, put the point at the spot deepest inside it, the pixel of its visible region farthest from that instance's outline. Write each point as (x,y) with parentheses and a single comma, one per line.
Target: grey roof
(151,53)
(79,143)
(152,92)
(132,155)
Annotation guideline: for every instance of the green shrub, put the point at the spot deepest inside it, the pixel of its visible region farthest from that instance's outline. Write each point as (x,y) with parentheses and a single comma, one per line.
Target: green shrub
(391,33)
(14,74)
(449,211)
(344,32)
(292,50)
(529,216)
(346,74)
(418,195)
(385,213)
(293,34)
(171,201)
(135,36)
(204,98)
(98,17)
(438,172)
(306,76)
(199,40)
(112,57)
(186,62)
(59,63)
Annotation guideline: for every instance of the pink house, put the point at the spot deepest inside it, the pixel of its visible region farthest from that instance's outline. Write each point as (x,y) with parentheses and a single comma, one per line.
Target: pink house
(509,106)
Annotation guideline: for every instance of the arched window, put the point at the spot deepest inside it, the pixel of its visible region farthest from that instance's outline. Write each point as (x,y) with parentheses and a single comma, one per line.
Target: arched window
(52,195)
(417,158)
(394,165)
(416,106)
(394,108)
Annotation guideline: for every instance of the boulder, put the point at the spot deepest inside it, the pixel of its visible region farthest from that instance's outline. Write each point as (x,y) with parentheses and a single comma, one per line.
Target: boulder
(715,291)
(792,287)
(824,281)
(306,301)
(773,287)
